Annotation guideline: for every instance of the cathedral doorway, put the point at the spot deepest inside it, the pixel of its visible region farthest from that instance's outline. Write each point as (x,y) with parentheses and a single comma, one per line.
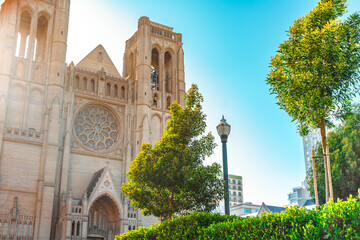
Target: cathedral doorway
(104,219)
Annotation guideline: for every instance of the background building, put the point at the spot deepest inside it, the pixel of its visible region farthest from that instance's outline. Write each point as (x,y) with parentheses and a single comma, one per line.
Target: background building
(235,189)
(309,144)
(299,195)
(235,192)
(68,133)
(244,209)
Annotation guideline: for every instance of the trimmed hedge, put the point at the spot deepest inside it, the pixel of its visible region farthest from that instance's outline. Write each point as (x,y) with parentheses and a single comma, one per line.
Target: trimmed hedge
(185,227)
(339,220)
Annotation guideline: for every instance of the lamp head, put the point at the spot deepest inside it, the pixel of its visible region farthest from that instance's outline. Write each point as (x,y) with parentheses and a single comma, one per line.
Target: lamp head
(223,128)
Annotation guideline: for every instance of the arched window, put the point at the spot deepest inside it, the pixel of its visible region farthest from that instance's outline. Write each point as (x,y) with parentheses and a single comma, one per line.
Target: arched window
(155,100)
(116,91)
(168,71)
(155,69)
(133,227)
(78,229)
(92,87)
(122,92)
(168,102)
(108,88)
(77,82)
(41,36)
(84,86)
(23,35)
(129,228)
(73,229)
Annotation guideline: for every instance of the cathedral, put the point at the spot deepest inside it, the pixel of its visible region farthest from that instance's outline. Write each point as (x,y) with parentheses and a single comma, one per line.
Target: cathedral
(68,132)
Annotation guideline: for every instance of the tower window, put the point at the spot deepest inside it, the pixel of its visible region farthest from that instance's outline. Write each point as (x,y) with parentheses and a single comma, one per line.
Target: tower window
(23,35)
(168,72)
(154,79)
(41,36)
(155,69)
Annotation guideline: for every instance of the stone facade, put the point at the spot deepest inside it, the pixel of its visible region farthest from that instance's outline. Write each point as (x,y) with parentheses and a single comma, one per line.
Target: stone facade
(68,133)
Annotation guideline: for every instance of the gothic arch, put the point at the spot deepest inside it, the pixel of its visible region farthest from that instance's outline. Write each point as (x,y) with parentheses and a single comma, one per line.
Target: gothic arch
(44,13)
(170,50)
(27,8)
(104,217)
(157,47)
(23,32)
(103,186)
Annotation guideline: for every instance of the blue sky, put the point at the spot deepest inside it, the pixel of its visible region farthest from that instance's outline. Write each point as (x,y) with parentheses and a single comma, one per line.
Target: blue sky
(227,45)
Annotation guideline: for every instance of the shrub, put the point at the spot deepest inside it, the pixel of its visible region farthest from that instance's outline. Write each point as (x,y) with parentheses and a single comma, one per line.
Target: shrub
(184,227)
(339,220)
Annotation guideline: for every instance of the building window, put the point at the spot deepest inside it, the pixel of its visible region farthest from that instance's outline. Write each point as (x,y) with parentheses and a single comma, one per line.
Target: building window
(123,92)
(155,69)
(108,87)
(168,72)
(92,85)
(116,91)
(247,210)
(85,84)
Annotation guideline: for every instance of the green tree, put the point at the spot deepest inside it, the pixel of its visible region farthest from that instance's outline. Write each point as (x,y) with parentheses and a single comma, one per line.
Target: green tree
(344,148)
(315,72)
(170,178)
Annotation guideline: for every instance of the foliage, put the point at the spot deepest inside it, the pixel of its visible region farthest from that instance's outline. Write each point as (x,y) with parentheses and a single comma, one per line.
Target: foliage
(315,71)
(170,178)
(185,227)
(339,220)
(344,148)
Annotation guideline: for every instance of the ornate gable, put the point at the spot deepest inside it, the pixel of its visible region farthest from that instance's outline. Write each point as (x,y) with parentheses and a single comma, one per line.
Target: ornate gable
(102,184)
(98,59)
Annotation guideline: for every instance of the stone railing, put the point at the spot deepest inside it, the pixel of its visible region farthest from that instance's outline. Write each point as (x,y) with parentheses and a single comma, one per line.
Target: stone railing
(162,32)
(29,135)
(16,227)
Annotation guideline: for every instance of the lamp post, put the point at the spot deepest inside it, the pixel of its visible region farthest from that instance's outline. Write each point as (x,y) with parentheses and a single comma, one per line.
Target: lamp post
(223,130)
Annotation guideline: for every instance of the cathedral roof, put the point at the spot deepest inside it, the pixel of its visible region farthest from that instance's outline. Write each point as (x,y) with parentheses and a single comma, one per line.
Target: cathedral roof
(98,59)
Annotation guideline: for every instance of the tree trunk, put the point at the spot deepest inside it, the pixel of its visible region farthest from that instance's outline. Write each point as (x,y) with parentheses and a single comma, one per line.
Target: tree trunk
(329,175)
(315,181)
(326,161)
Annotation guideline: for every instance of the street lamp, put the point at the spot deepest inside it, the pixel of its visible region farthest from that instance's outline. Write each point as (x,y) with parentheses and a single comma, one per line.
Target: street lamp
(223,130)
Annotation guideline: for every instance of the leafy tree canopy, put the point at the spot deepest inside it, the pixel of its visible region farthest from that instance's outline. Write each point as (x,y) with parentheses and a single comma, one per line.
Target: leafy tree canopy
(315,71)
(170,178)
(344,147)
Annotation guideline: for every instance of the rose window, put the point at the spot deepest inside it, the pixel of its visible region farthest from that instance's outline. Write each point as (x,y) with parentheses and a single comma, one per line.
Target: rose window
(96,128)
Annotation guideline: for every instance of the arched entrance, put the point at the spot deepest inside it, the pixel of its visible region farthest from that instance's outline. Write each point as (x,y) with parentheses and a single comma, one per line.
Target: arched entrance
(104,219)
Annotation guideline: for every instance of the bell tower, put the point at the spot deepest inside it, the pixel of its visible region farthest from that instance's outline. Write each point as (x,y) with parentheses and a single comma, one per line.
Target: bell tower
(33,42)
(154,61)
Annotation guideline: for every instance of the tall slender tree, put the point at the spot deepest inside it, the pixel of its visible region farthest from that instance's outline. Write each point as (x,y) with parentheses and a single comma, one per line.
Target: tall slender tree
(170,178)
(344,149)
(315,72)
